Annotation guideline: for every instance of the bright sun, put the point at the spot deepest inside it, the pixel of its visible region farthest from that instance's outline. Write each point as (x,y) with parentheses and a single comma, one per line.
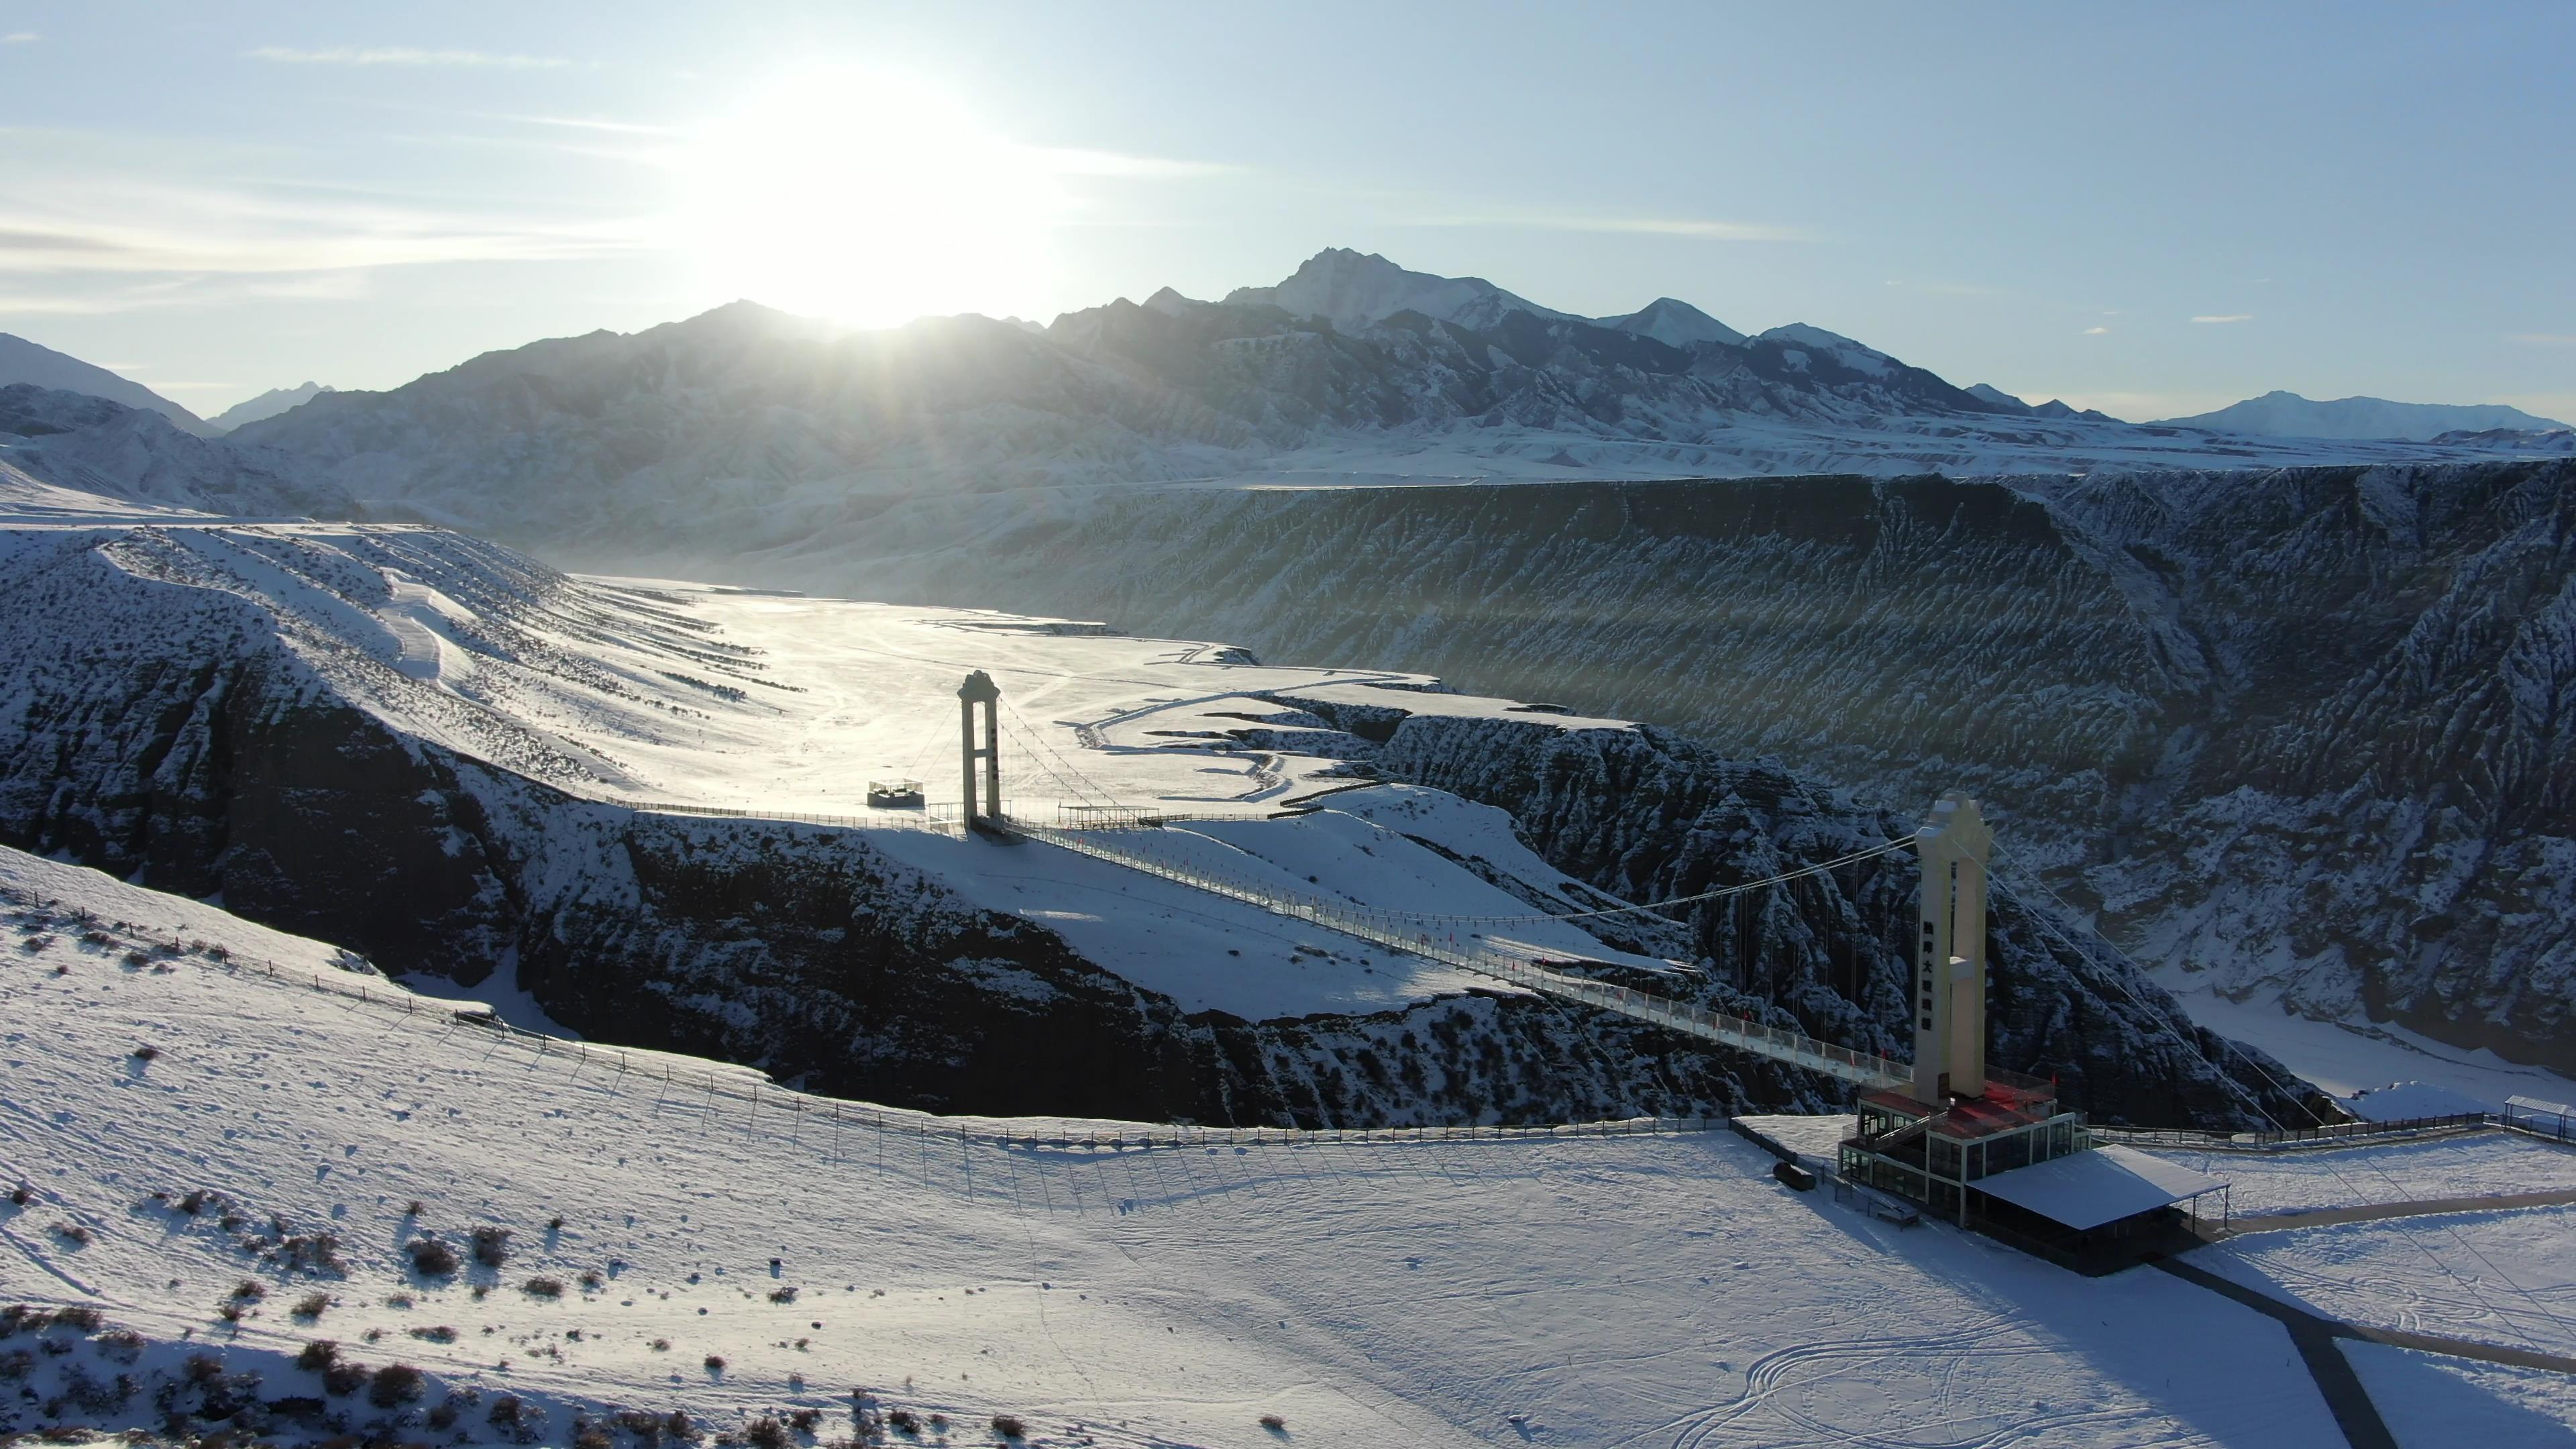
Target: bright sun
(866,199)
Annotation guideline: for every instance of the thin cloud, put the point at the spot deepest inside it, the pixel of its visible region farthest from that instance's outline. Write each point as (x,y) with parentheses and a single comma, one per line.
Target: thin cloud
(579,123)
(20,37)
(1069,161)
(2544,339)
(2230,317)
(1695,228)
(402,55)
(2095,331)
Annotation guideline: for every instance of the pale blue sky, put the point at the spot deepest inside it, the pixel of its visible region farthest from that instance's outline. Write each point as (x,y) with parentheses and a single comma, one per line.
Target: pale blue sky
(2055,199)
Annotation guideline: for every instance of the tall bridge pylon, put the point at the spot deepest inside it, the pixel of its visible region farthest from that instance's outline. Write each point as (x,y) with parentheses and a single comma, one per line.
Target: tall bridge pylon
(980,690)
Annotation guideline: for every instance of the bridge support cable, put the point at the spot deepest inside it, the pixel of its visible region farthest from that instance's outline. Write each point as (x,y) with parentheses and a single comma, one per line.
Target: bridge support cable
(1415,935)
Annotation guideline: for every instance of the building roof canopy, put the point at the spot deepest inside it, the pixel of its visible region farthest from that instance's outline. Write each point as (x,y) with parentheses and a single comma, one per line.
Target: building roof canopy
(2087,1189)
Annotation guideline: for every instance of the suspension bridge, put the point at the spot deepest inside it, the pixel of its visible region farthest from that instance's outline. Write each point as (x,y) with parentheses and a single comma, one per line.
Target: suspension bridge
(1102,828)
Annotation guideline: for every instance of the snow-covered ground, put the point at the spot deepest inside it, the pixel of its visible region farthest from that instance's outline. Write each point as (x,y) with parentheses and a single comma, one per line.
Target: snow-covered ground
(1651,1290)
(2349,1058)
(2298,1180)
(2505,1277)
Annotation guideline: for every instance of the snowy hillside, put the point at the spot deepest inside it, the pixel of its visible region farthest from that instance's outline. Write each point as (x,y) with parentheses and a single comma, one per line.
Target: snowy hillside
(90,445)
(2288,415)
(2293,732)
(645,800)
(22,361)
(221,1167)
(745,429)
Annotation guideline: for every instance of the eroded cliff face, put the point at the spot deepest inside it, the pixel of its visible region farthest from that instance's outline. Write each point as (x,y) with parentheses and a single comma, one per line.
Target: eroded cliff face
(2301,730)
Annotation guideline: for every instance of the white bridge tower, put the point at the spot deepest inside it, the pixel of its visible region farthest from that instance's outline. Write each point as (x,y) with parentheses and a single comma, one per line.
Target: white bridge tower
(979,689)
(1950,973)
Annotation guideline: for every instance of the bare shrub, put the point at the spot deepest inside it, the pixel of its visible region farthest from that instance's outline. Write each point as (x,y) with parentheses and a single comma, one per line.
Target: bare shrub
(21,1195)
(1274,1423)
(804,1420)
(198,1200)
(431,1258)
(250,1290)
(1008,1426)
(343,1378)
(320,1354)
(506,1410)
(543,1288)
(444,1416)
(146,1053)
(491,1246)
(397,1384)
(72,1233)
(715,1363)
(591,1436)
(440,1334)
(903,1421)
(765,1433)
(591,1282)
(311,1306)
(309,1253)
(782,1295)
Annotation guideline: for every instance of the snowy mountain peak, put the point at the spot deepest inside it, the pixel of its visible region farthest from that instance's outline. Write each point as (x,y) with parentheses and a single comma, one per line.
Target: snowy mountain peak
(1675,324)
(267,405)
(1173,303)
(1989,393)
(2280,414)
(1856,356)
(1353,290)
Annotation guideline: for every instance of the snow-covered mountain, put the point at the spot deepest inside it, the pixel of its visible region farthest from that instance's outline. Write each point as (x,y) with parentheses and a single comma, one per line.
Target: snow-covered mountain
(746,429)
(2296,733)
(90,445)
(455,760)
(2288,415)
(22,361)
(267,405)
(1356,291)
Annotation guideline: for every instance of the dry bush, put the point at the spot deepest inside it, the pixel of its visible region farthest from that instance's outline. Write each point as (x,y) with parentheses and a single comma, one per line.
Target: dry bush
(21,1195)
(1274,1423)
(146,1053)
(397,1384)
(543,1288)
(311,1306)
(320,1354)
(72,1233)
(715,1363)
(440,1334)
(491,1246)
(344,1378)
(782,1295)
(1008,1426)
(431,1258)
(250,1290)
(765,1433)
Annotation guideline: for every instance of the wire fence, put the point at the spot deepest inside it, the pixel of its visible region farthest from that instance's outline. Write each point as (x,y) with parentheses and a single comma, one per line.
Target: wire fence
(803,1111)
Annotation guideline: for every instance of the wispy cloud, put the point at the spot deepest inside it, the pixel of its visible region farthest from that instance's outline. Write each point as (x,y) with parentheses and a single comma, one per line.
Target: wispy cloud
(580,123)
(2095,331)
(2544,339)
(1065,161)
(1700,229)
(2229,317)
(401,55)
(20,37)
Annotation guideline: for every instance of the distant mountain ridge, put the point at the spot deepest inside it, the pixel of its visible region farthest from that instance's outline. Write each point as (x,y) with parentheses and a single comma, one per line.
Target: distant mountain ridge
(2288,415)
(267,405)
(41,366)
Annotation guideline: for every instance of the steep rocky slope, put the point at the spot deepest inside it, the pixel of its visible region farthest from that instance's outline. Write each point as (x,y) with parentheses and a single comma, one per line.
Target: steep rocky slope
(2301,729)
(88,444)
(228,711)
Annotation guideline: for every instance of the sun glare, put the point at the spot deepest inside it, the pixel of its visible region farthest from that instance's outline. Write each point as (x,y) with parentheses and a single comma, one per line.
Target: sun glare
(867,199)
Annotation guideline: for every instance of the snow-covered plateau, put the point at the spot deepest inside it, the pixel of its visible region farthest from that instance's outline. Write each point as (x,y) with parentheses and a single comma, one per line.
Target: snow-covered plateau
(225,1146)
